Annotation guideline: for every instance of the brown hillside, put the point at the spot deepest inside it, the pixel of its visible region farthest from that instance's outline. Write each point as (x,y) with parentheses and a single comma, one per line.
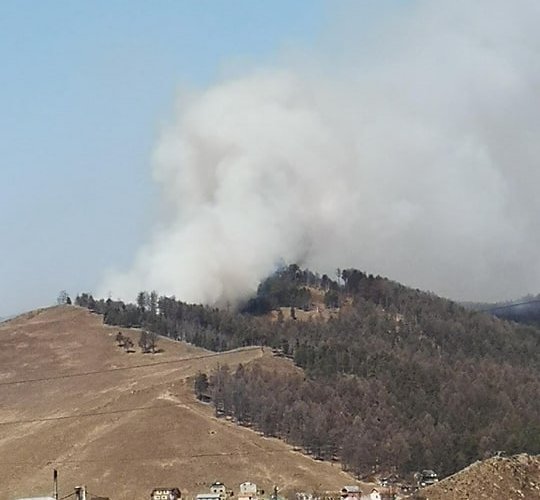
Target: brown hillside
(124,454)
(509,478)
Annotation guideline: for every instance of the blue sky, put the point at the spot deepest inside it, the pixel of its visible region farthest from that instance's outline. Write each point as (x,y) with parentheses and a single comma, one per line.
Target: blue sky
(85,87)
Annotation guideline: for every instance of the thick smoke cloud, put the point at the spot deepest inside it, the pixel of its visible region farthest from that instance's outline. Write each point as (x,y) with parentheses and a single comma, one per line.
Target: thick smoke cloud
(416,157)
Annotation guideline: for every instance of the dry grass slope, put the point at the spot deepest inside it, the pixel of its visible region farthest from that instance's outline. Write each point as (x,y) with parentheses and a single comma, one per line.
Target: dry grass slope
(509,478)
(124,455)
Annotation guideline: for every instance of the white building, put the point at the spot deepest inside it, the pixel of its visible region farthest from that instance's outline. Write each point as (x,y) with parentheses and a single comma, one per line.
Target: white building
(218,491)
(37,498)
(248,491)
(165,494)
(209,496)
(379,494)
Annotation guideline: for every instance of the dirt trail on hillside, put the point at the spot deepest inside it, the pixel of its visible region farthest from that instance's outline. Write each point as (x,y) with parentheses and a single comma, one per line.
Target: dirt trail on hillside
(166,438)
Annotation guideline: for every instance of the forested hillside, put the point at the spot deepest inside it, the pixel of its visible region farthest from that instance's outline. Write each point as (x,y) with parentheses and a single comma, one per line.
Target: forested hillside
(396,378)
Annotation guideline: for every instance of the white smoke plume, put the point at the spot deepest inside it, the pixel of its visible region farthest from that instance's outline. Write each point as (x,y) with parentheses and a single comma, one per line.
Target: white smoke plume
(416,157)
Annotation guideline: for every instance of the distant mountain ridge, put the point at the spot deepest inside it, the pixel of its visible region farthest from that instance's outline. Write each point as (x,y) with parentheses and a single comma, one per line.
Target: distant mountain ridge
(523,310)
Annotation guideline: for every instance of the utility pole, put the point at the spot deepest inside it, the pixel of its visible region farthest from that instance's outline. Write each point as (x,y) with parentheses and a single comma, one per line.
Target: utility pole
(55,484)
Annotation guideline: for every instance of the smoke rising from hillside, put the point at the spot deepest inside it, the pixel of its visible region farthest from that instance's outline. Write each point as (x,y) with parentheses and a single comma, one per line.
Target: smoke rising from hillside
(415,157)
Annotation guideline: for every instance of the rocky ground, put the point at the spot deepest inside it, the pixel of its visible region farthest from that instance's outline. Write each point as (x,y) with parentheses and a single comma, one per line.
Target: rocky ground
(509,478)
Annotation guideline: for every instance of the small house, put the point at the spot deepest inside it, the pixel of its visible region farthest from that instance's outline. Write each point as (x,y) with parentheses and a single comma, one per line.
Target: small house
(248,491)
(219,489)
(381,494)
(427,477)
(351,493)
